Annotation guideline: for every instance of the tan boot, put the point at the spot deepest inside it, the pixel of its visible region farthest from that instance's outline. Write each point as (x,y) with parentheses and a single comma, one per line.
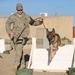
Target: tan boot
(22,67)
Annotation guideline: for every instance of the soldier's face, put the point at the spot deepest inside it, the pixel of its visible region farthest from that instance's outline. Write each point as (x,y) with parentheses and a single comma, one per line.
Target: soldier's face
(20,12)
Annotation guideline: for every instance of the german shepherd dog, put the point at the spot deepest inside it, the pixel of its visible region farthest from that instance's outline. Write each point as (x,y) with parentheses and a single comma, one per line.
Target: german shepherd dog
(54,42)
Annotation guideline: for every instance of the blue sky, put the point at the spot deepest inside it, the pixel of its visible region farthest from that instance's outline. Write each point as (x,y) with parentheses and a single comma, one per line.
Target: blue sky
(35,7)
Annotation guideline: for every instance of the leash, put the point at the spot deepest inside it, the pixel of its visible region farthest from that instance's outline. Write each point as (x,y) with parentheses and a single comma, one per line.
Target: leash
(44,26)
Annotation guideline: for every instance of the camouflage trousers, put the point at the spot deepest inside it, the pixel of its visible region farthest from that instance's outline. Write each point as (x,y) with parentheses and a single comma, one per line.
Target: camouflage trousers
(19,55)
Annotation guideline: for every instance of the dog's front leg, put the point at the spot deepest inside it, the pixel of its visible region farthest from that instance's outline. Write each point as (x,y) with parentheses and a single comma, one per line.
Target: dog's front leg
(51,52)
(56,48)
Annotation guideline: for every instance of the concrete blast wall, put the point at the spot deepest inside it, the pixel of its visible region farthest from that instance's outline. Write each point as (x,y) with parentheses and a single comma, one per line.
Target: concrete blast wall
(62,24)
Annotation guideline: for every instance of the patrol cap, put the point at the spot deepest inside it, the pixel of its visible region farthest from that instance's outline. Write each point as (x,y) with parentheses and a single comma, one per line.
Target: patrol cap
(19,6)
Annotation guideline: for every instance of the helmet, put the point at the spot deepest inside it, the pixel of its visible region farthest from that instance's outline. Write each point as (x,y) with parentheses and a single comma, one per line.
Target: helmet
(19,6)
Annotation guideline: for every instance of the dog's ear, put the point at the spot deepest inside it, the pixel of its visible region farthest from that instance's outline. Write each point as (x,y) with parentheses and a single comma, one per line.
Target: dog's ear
(53,31)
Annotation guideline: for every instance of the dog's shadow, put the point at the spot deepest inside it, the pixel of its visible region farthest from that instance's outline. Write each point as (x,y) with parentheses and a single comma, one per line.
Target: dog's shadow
(48,56)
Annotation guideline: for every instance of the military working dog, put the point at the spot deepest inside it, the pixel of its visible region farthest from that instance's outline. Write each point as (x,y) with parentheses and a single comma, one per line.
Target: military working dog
(54,41)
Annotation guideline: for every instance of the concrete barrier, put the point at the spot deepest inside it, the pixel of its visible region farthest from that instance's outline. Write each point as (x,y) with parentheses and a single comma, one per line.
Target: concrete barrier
(62,61)
(2,45)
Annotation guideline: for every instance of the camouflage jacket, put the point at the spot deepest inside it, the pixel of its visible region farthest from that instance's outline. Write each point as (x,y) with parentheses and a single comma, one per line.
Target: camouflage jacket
(19,23)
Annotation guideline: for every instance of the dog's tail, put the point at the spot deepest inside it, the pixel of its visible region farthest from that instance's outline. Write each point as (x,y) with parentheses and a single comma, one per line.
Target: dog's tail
(62,44)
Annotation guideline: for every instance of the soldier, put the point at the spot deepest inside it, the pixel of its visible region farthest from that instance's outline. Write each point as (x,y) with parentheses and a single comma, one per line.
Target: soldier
(19,20)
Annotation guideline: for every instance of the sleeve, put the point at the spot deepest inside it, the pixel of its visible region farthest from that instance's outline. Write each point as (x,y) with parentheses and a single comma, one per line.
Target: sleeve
(35,22)
(31,21)
(8,25)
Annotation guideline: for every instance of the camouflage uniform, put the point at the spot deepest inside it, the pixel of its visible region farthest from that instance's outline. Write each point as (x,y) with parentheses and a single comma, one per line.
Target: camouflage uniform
(18,24)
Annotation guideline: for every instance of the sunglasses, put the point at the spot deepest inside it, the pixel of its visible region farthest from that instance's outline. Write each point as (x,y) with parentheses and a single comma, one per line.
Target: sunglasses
(19,10)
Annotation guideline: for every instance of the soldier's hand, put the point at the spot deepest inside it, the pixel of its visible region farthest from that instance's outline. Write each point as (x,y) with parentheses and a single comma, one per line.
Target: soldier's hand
(11,35)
